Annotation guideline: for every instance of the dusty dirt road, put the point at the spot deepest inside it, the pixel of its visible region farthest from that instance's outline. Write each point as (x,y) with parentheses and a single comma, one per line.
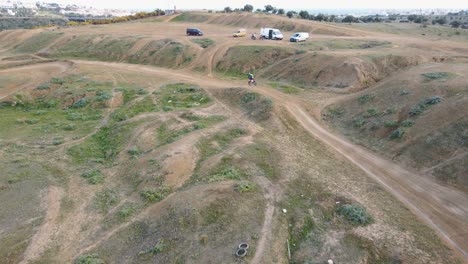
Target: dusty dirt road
(443,208)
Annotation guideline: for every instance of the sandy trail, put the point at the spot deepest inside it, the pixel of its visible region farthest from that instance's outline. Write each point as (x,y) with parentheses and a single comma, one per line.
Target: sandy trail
(48,229)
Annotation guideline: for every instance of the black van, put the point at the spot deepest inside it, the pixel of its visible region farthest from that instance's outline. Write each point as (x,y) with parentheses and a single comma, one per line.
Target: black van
(194,32)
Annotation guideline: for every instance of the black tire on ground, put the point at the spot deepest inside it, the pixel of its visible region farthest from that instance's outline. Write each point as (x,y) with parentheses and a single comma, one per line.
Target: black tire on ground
(243,246)
(241,252)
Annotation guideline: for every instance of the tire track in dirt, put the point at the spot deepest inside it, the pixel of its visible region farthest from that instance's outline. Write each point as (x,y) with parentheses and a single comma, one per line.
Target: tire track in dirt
(49,227)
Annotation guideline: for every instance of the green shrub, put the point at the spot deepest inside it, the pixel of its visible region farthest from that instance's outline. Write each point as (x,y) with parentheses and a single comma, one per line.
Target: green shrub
(57,141)
(227,173)
(80,103)
(126,211)
(57,81)
(359,122)
(417,110)
(356,214)
(365,98)
(44,86)
(158,248)
(32,121)
(244,186)
(433,100)
(89,259)
(391,123)
(407,123)
(398,133)
(133,151)
(103,95)
(69,127)
(106,199)
(93,176)
(204,43)
(404,92)
(372,112)
(436,75)
(155,195)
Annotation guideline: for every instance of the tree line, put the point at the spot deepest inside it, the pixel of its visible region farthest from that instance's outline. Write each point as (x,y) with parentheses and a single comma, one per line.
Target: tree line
(139,15)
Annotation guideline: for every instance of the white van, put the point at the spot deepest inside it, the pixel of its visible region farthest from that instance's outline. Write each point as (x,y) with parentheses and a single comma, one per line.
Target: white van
(299,36)
(271,33)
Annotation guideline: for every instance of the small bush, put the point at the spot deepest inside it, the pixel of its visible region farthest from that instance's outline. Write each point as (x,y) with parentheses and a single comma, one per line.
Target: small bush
(155,195)
(390,111)
(158,248)
(57,141)
(436,75)
(93,176)
(359,122)
(417,110)
(433,100)
(32,121)
(243,187)
(69,127)
(391,123)
(103,95)
(80,103)
(372,112)
(228,173)
(106,199)
(366,98)
(356,214)
(407,123)
(89,259)
(57,81)
(126,211)
(336,112)
(44,86)
(404,92)
(398,133)
(133,151)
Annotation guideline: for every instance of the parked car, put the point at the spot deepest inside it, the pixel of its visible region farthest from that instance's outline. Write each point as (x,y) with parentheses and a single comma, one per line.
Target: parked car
(271,33)
(194,32)
(240,33)
(299,36)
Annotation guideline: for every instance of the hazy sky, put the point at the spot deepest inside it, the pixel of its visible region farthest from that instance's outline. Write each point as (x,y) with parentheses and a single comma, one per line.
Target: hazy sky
(290,4)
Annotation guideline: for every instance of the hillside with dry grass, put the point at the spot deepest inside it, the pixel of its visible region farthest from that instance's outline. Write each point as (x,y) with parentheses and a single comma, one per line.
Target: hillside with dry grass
(133,143)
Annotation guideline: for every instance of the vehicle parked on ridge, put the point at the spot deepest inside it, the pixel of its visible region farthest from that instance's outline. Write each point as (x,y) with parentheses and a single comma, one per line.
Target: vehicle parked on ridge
(270,33)
(194,32)
(299,36)
(240,33)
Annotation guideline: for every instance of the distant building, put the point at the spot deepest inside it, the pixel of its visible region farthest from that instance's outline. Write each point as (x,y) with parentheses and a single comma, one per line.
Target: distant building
(170,11)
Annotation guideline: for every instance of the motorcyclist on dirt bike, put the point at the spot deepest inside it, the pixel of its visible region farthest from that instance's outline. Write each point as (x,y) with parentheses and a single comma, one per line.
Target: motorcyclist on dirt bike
(251,78)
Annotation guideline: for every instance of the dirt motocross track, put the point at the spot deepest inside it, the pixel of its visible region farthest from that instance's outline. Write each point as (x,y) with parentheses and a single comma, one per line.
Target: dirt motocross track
(443,208)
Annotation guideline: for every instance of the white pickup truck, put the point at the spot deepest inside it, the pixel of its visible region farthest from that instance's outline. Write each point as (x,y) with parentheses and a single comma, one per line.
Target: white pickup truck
(271,33)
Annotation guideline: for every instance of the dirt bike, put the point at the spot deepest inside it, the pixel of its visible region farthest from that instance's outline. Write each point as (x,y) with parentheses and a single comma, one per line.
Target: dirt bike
(252,82)
(253,37)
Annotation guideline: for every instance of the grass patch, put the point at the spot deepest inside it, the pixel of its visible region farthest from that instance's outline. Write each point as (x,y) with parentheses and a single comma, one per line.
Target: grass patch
(106,199)
(102,147)
(226,173)
(204,42)
(441,76)
(355,214)
(156,194)
(93,176)
(365,98)
(245,186)
(407,123)
(182,96)
(89,259)
(145,105)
